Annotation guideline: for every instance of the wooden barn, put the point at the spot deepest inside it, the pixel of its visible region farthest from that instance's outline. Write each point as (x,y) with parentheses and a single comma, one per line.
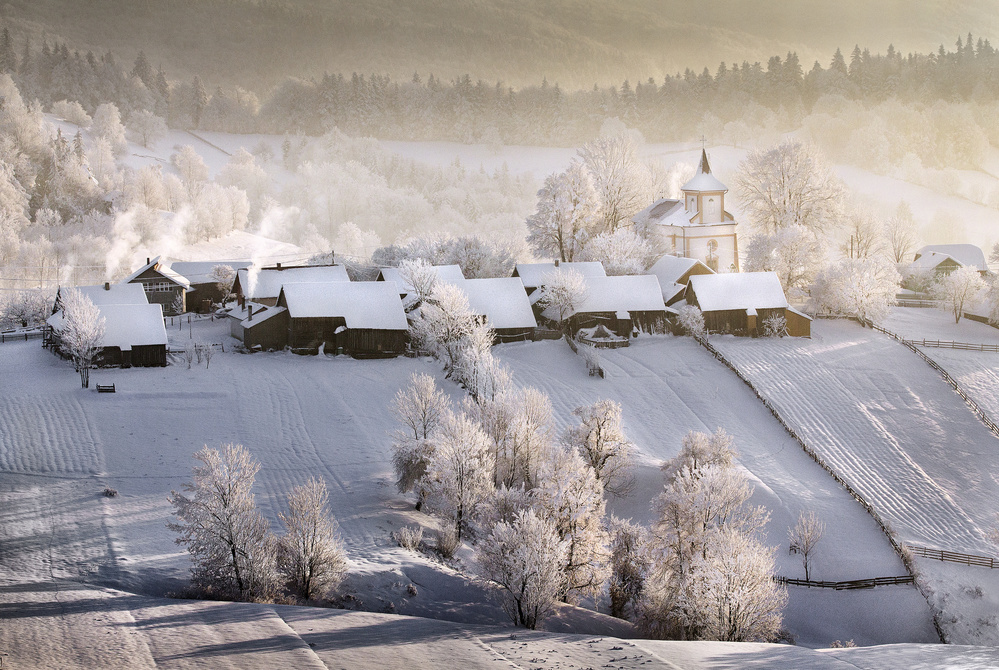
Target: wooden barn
(162,285)
(741,302)
(263,286)
(504,305)
(939,260)
(622,304)
(259,327)
(532,274)
(108,294)
(134,335)
(449,274)
(674,273)
(204,293)
(363,319)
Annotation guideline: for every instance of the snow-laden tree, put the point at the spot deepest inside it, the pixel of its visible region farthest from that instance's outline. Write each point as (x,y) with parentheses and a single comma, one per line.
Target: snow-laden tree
(81,334)
(563,289)
(568,212)
(477,370)
(958,289)
(691,320)
(622,252)
(228,539)
(243,172)
(793,253)
(444,325)
(525,557)
(900,233)
(310,554)
(192,169)
(789,185)
(21,309)
(620,179)
(862,287)
(601,441)
(775,325)
(147,128)
(421,276)
(731,594)
(106,124)
(570,495)
(865,233)
(518,423)
(224,276)
(459,474)
(629,565)
(419,408)
(804,537)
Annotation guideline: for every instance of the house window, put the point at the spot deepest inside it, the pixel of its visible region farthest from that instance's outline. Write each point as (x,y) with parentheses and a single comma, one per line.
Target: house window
(712,206)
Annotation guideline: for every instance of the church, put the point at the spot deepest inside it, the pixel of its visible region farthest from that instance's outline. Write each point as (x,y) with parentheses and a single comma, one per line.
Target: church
(698,226)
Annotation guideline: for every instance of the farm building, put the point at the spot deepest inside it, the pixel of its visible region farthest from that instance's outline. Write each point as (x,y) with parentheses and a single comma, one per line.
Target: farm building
(162,285)
(363,319)
(449,274)
(942,259)
(259,326)
(532,274)
(674,273)
(134,335)
(741,302)
(204,287)
(505,306)
(696,226)
(108,294)
(263,286)
(622,304)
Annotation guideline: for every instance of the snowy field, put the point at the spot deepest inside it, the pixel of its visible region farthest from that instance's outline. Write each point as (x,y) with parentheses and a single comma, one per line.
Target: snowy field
(892,427)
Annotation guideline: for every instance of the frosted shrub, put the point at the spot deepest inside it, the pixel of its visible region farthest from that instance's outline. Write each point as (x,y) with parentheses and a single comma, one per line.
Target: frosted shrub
(447,540)
(691,320)
(592,358)
(409,537)
(775,326)
(71,111)
(310,554)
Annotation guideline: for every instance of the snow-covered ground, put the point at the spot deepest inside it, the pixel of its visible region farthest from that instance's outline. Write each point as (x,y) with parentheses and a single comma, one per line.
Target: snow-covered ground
(890,425)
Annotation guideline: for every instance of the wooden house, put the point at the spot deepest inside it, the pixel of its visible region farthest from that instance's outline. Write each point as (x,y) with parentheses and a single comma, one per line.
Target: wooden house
(204,293)
(741,302)
(264,285)
(532,274)
(259,327)
(363,319)
(107,294)
(504,305)
(448,274)
(134,335)
(622,304)
(674,273)
(162,285)
(937,260)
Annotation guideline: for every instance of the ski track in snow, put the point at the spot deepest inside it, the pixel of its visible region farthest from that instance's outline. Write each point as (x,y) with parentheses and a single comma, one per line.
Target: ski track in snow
(886,422)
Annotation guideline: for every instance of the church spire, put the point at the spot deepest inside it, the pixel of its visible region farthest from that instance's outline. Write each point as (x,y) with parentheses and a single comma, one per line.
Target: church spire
(704,168)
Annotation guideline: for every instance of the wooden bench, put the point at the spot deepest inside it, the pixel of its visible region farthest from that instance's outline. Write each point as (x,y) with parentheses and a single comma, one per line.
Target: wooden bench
(105,388)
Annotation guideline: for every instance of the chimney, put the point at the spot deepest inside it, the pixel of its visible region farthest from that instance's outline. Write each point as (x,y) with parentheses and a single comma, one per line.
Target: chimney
(279,266)
(107,286)
(148,259)
(249,312)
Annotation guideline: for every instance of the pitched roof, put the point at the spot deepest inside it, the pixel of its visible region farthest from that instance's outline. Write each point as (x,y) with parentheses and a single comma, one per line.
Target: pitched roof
(625,293)
(450,274)
(502,301)
(965,254)
(738,290)
(659,211)
(200,272)
(703,180)
(369,304)
(669,269)
(260,313)
(532,274)
(154,264)
(126,326)
(259,284)
(114,294)
(930,260)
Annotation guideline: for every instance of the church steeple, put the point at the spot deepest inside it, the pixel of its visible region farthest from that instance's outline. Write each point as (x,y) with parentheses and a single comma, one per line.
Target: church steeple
(704,168)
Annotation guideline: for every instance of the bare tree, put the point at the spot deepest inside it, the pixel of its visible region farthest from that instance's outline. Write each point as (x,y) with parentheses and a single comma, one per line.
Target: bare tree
(601,441)
(804,537)
(227,537)
(621,181)
(82,331)
(208,351)
(419,407)
(900,233)
(564,290)
(310,554)
(957,289)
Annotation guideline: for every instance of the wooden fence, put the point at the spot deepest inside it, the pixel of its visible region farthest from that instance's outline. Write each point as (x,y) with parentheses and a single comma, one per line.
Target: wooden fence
(848,585)
(23,336)
(916,302)
(950,344)
(954,557)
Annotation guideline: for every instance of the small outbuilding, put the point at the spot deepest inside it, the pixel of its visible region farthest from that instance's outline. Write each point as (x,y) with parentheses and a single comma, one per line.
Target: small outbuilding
(107,294)
(363,319)
(674,273)
(532,274)
(204,293)
(134,335)
(741,302)
(162,285)
(622,304)
(259,326)
(504,305)
(264,285)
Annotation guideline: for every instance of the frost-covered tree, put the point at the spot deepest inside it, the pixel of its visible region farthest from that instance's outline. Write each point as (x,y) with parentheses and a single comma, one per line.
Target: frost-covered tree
(192,169)
(865,233)
(444,325)
(804,537)
(421,276)
(567,214)
(570,495)
(793,253)
(419,408)
(774,325)
(620,179)
(900,233)
(21,309)
(459,474)
(601,441)
(228,539)
(518,423)
(310,554)
(224,276)
(691,320)
(629,565)
(789,185)
(477,370)
(106,124)
(147,128)
(863,287)
(525,557)
(958,289)
(564,290)
(82,331)
(622,252)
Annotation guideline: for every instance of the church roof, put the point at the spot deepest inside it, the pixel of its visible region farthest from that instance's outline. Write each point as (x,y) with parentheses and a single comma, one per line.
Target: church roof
(704,180)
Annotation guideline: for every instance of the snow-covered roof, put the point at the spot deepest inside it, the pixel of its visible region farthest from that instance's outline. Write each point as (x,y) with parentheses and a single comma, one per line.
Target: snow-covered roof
(502,301)
(260,313)
(267,283)
(449,274)
(200,272)
(738,290)
(154,264)
(703,180)
(669,269)
(532,274)
(620,294)
(115,294)
(965,254)
(367,304)
(930,260)
(659,211)
(126,326)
